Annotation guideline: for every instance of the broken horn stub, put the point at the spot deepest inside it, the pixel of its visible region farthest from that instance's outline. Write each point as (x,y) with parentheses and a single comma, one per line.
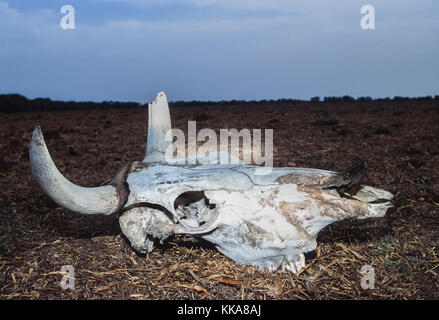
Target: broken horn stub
(159,123)
(98,200)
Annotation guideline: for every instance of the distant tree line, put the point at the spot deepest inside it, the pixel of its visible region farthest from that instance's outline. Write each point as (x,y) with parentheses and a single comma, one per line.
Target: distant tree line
(346,99)
(19,103)
(196,103)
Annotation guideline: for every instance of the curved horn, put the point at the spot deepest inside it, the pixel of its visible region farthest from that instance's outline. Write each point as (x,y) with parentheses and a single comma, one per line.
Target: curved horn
(99,200)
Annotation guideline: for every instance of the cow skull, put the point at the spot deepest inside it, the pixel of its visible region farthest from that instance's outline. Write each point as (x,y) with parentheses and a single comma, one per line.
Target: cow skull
(268,221)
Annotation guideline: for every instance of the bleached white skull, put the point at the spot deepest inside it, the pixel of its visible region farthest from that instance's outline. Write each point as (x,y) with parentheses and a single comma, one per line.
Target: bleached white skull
(268,221)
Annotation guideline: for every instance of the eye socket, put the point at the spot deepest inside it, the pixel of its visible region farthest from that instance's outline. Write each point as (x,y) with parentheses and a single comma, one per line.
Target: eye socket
(194,208)
(189,197)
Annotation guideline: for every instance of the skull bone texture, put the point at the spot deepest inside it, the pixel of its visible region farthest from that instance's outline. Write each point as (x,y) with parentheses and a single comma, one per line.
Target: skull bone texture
(265,220)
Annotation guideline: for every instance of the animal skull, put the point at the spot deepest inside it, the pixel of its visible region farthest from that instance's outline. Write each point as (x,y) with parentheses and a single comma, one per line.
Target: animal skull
(268,221)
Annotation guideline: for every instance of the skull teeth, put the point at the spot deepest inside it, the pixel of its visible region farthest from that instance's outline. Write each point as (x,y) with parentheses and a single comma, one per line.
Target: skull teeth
(295,266)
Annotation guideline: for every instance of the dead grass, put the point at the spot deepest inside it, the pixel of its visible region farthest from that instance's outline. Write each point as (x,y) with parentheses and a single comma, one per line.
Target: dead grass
(37,237)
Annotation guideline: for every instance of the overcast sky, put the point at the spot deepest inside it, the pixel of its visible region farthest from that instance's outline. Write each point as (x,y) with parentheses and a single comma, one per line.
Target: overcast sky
(128,50)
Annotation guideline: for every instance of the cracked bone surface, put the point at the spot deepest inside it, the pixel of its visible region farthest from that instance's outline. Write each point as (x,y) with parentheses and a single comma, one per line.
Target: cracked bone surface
(268,221)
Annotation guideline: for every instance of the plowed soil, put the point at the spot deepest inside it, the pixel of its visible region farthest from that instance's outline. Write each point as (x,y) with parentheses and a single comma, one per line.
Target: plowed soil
(398,142)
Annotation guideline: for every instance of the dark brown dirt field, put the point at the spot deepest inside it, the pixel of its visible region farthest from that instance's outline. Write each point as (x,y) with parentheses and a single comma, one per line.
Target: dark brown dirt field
(398,141)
